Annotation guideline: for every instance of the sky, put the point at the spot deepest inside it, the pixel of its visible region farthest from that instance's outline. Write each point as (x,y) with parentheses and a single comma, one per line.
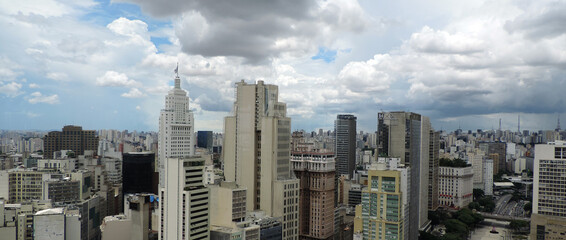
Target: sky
(109,64)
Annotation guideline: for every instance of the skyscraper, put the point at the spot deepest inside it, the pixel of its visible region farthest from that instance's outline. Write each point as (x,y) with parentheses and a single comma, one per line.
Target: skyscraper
(406,135)
(433,169)
(316,202)
(345,128)
(71,138)
(176,127)
(548,220)
(256,153)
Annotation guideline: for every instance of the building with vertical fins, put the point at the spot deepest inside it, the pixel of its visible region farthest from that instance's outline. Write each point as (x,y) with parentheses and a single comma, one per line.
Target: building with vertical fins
(406,135)
(548,220)
(317,188)
(256,154)
(433,165)
(345,128)
(176,127)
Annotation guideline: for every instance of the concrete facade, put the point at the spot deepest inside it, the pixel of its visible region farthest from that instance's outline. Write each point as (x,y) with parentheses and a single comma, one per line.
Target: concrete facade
(456,186)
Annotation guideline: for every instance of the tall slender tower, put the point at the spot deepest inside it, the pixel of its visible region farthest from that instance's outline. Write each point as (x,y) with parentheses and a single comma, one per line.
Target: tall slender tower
(176,128)
(256,154)
(345,128)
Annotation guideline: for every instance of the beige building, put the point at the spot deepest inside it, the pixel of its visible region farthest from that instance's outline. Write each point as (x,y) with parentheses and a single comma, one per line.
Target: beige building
(71,138)
(548,220)
(256,154)
(184,200)
(456,186)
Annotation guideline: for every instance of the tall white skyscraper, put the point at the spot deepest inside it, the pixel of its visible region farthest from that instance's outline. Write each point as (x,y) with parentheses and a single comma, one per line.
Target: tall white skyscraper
(256,154)
(176,128)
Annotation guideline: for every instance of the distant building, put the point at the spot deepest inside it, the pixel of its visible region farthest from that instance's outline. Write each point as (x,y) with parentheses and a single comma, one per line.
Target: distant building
(137,172)
(345,128)
(548,220)
(488,177)
(434,153)
(56,223)
(204,139)
(456,186)
(317,193)
(71,138)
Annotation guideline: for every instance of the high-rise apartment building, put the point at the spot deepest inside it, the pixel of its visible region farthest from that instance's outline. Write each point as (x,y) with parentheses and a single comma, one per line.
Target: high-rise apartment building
(184,200)
(433,165)
(384,212)
(176,128)
(406,135)
(345,128)
(317,193)
(256,154)
(548,220)
(71,138)
(487,177)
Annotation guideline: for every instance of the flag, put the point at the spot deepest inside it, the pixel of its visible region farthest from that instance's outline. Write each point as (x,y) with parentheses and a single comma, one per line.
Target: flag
(177,69)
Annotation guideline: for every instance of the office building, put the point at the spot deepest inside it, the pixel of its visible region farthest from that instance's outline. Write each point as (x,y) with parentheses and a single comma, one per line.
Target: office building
(137,172)
(256,153)
(176,128)
(135,223)
(406,135)
(498,152)
(433,165)
(204,139)
(316,193)
(345,128)
(72,138)
(384,212)
(455,186)
(184,200)
(56,223)
(61,191)
(548,219)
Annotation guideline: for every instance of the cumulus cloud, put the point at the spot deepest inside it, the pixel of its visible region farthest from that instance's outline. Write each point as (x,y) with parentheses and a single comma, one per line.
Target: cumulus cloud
(133,93)
(115,79)
(37,97)
(11,89)
(33,85)
(258,31)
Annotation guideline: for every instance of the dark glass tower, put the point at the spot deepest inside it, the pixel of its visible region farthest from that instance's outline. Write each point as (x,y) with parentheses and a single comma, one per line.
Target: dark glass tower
(137,172)
(345,128)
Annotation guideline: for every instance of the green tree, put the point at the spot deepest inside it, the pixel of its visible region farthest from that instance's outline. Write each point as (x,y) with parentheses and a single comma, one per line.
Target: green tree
(451,236)
(478,193)
(518,224)
(457,227)
(474,205)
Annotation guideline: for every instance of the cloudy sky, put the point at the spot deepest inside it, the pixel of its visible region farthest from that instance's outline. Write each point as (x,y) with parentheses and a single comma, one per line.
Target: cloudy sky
(109,64)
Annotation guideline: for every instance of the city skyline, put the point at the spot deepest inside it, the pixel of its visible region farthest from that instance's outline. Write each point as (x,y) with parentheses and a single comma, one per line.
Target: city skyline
(102,64)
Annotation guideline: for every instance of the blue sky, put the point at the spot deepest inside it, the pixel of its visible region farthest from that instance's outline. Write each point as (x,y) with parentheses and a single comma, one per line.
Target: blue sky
(108,65)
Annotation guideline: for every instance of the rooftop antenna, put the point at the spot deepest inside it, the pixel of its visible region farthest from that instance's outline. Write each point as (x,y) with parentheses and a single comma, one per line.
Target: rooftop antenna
(499,124)
(558,124)
(519,123)
(177,79)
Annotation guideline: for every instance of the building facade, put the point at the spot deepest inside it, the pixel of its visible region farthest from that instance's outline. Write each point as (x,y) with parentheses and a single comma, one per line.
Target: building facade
(256,154)
(548,220)
(176,128)
(406,135)
(433,165)
(184,200)
(71,138)
(384,212)
(137,172)
(317,193)
(456,186)
(345,128)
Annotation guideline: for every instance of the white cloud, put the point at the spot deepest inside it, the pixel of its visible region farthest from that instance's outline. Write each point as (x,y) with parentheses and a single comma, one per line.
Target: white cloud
(33,85)
(11,89)
(37,97)
(115,79)
(138,107)
(133,93)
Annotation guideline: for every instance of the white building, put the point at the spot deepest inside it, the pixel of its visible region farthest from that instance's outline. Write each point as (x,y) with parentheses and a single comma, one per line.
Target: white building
(184,200)
(488,177)
(56,224)
(548,220)
(455,186)
(477,164)
(176,128)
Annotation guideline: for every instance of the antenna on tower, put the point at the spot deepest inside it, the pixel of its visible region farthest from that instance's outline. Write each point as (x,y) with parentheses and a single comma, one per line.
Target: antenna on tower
(519,123)
(500,124)
(558,124)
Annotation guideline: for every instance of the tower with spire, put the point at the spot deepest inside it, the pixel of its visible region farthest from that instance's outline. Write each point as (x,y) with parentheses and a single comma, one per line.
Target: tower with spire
(558,124)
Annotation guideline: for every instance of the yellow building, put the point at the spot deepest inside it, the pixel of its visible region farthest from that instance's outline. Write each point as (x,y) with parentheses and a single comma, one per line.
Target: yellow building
(384,209)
